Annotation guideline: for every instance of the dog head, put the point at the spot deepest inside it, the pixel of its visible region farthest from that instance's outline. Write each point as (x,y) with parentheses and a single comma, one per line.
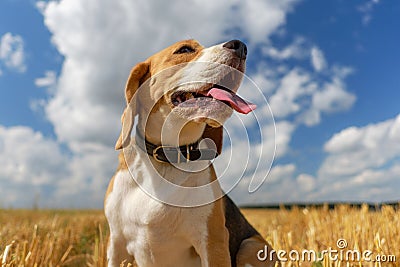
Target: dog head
(185,92)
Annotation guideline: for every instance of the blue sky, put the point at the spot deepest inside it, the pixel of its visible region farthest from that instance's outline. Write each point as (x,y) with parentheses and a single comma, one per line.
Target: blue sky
(329,69)
(368,46)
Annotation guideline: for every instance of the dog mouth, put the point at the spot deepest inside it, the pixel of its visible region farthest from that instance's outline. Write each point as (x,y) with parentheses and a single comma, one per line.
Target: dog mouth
(199,99)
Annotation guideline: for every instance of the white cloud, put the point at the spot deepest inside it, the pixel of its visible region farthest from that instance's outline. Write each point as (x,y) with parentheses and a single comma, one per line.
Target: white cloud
(12,52)
(363,163)
(371,185)
(281,185)
(297,96)
(261,18)
(298,49)
(306,96)
(281,172)
(333,97)
(30,162)
(23,154)
(366,10)
(355,149)
(318,60)
(293,85)
(306,183)
(36,166)
(284,130)
(49,80)
(278,186)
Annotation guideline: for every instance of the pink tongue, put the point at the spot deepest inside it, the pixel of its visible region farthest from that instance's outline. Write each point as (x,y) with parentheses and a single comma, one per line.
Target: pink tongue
(238,103)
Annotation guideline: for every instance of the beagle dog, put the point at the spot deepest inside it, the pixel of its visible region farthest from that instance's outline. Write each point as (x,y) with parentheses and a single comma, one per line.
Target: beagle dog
(164,205)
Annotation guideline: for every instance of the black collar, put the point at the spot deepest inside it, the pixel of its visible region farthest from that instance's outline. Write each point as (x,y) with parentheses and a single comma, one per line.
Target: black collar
(172,154)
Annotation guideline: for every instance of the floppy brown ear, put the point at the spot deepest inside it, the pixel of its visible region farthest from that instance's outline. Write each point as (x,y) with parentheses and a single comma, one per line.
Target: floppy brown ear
(215,134)
(128,117)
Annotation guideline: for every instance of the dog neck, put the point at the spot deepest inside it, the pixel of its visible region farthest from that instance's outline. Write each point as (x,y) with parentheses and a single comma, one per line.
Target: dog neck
(177,132)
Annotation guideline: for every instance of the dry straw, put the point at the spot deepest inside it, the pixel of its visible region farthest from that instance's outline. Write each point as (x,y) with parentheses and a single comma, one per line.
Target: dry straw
(78,238)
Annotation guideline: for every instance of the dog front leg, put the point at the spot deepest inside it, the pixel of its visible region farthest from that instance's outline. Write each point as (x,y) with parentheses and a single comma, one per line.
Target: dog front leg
(117,252)
(214,250)
(217,248)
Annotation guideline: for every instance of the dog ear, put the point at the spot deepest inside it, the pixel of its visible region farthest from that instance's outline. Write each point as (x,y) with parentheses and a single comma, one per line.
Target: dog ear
(215,134)
(136,78)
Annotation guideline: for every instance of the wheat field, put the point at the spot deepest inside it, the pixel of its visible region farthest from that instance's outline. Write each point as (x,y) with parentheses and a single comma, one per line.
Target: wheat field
(78,238)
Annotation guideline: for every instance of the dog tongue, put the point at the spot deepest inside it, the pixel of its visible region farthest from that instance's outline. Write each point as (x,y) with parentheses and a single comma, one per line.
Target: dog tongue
(238,103)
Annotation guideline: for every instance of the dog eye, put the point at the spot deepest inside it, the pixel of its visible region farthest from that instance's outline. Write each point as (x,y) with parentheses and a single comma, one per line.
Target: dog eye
(184,49)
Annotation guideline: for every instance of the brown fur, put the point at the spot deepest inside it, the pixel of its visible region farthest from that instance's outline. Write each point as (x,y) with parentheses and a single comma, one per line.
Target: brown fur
(248,253)
(109,189)
(216,134)
(218,237)
(142,72)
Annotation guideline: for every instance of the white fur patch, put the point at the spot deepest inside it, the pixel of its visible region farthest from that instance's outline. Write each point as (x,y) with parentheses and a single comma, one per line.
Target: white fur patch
(151,228)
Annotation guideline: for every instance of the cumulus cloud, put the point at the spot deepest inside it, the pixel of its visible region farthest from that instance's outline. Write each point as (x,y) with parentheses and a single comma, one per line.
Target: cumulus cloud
(306,96)
(281,185)
(300,93)
(367,147)
(284,131)
(24,152)
(306,182)
(259,19)
(36,169)
(331,97)
(29,163)
(12,53)
(293,86)
(298,50)
(362,164)
(318,60)
(281,172)
(49,80)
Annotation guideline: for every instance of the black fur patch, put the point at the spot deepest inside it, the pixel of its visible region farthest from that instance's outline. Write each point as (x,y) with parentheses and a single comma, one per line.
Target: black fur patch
(239,228)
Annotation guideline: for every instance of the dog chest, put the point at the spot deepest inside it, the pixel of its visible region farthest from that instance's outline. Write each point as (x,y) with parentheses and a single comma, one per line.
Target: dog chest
(162,235)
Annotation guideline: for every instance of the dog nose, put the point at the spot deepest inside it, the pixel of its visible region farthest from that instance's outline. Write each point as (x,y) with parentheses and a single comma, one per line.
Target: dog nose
(238,46)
